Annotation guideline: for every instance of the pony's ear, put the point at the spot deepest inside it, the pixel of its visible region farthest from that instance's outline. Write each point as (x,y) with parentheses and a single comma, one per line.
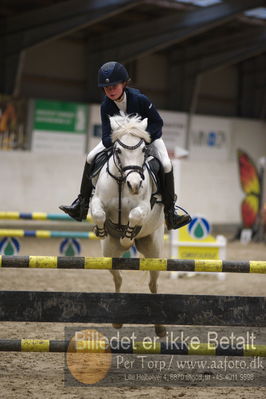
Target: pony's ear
(113,122)
(144,123)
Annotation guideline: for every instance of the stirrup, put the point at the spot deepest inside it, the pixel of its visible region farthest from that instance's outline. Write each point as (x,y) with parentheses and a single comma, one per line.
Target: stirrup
(171,215)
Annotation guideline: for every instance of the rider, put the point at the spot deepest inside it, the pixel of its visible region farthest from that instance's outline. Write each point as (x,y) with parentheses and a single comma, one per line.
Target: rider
(113,78)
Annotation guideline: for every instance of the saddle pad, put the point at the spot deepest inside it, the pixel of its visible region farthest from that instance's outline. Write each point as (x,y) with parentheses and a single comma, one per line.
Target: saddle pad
(154,168)
(99,161)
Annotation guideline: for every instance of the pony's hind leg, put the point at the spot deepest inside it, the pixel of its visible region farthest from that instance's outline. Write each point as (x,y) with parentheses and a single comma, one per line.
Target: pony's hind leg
(151,247)
(117,279)
(111,248)
(153,281)
(118,282)
(159,328)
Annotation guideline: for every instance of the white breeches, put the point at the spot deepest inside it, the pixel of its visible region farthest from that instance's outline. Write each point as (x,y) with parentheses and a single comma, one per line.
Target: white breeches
(96,150)
(158,148)
(160,151)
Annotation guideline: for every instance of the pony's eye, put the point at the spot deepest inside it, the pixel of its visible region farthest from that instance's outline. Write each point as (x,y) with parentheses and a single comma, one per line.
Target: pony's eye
(118,151)
(144,149)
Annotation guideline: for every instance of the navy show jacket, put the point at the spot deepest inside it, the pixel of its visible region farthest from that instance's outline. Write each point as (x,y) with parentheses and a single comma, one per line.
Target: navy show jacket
(137,103)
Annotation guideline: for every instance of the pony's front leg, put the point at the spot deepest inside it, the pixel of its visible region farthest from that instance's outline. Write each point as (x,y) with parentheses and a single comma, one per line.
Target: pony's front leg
(135,219)
(98,217)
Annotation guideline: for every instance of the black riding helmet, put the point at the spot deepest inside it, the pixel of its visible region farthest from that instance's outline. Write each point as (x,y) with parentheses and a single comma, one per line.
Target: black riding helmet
(111,74)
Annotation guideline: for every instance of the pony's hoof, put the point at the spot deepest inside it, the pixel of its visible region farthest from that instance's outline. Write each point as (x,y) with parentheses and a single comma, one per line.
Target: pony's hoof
(126,243)
(117,326)
(160,331)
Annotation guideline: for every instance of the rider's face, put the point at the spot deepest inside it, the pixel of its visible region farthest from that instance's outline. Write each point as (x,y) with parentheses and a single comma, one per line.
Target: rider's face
(114,92)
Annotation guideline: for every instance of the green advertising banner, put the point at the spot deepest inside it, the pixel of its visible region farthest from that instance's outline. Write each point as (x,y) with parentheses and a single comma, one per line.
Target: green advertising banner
(60,116)
(59,126)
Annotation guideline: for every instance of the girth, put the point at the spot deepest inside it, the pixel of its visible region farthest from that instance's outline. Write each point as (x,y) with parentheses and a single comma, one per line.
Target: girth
(119,230)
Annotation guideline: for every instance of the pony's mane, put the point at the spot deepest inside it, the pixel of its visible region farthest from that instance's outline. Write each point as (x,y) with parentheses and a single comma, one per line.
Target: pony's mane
(128,124)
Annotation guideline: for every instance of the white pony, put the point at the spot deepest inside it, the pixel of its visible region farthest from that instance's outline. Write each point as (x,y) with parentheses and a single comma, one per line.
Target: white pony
(121,205)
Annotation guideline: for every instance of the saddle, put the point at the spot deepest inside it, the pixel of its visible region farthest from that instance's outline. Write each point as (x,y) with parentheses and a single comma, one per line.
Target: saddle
(100,160)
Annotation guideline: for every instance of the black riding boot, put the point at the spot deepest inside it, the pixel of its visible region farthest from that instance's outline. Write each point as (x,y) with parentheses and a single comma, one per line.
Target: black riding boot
(78,210)
(172,219)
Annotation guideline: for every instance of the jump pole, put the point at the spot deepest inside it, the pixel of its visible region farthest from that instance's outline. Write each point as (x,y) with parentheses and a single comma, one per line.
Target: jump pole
(83,307)
(47,234)
(160,264)
(38,216)
(157,348)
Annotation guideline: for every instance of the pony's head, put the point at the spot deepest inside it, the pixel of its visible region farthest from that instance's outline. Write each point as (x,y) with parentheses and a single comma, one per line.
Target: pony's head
(130,138)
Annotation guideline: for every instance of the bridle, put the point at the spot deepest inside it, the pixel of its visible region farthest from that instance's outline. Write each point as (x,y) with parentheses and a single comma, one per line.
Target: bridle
(130,168)
(123,169)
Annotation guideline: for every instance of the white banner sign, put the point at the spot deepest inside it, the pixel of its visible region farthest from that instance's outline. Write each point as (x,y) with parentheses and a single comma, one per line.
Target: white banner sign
(209,138)
(174,130)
